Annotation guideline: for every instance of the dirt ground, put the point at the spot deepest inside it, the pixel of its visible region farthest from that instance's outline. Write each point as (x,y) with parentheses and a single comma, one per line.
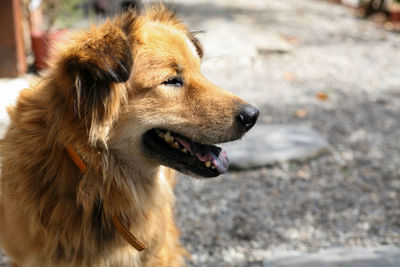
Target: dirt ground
(347,198)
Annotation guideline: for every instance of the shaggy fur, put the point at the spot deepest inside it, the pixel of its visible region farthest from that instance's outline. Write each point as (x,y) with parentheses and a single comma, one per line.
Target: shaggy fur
(103,91)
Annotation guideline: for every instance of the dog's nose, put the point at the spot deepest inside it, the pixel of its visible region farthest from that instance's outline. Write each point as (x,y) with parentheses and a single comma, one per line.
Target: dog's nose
(248,116)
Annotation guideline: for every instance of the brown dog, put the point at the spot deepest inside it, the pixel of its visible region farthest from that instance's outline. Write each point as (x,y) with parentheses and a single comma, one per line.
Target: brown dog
(82,182)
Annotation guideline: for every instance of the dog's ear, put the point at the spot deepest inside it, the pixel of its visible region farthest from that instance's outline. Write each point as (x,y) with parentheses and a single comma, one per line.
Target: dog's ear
(196,42)
(96,63)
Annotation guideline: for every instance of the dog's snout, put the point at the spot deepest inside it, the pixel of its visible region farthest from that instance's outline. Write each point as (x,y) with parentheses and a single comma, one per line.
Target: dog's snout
(248,116)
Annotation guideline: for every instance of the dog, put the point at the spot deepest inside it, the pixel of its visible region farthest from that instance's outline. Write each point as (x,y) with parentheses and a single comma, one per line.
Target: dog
(88,158)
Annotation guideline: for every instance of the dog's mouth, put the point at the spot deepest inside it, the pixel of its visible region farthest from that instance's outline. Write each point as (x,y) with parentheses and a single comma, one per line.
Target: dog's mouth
(184,155)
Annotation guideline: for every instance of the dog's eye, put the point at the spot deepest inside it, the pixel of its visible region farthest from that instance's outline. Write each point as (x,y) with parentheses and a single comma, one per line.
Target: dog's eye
(174,81)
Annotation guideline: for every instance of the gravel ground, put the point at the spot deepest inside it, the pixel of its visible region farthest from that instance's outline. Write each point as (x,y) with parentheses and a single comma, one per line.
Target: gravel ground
(347,198)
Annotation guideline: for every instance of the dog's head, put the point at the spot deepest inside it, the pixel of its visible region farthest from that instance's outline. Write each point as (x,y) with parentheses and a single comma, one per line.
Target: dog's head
(144,79)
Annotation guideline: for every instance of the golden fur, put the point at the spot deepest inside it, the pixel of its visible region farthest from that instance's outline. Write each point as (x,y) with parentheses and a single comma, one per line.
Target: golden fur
(103,90)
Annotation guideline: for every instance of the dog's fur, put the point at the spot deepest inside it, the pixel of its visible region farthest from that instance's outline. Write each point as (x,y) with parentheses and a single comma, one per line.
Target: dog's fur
(103,91)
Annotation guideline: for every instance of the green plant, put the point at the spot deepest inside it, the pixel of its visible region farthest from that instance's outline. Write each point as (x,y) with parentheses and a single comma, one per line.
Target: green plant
(56,13)
(62,14)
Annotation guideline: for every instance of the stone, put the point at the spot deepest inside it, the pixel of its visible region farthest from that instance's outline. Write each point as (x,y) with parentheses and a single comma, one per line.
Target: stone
(273,143)
(383,256)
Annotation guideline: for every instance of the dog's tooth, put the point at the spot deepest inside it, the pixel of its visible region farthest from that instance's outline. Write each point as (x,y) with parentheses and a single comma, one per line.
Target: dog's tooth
(208,163)
(168,137)
(213,167)
(175,145)
(184,150)
(161,134)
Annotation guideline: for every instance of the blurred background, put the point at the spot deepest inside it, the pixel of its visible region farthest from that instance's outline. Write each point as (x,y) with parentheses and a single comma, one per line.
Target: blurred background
(317,181)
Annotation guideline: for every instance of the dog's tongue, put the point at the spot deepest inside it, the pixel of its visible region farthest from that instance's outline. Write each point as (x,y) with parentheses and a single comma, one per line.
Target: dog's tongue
(217,155)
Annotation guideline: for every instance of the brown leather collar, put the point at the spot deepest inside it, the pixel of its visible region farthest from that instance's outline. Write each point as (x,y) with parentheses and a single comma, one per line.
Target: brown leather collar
(119,226)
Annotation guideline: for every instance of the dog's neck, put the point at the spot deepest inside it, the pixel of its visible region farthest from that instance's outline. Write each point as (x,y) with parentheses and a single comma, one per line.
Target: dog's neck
(118,225)
(116,217)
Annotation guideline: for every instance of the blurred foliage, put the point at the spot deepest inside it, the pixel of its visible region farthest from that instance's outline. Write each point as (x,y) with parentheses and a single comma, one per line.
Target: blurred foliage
(58,14)
(62,14)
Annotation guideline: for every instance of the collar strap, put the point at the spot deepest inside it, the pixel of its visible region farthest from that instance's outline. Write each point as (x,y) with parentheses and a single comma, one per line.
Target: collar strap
(76,159)
(127,235)
(119,226)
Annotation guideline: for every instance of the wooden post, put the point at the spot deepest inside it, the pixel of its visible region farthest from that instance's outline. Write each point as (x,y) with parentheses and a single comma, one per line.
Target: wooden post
(12,54)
